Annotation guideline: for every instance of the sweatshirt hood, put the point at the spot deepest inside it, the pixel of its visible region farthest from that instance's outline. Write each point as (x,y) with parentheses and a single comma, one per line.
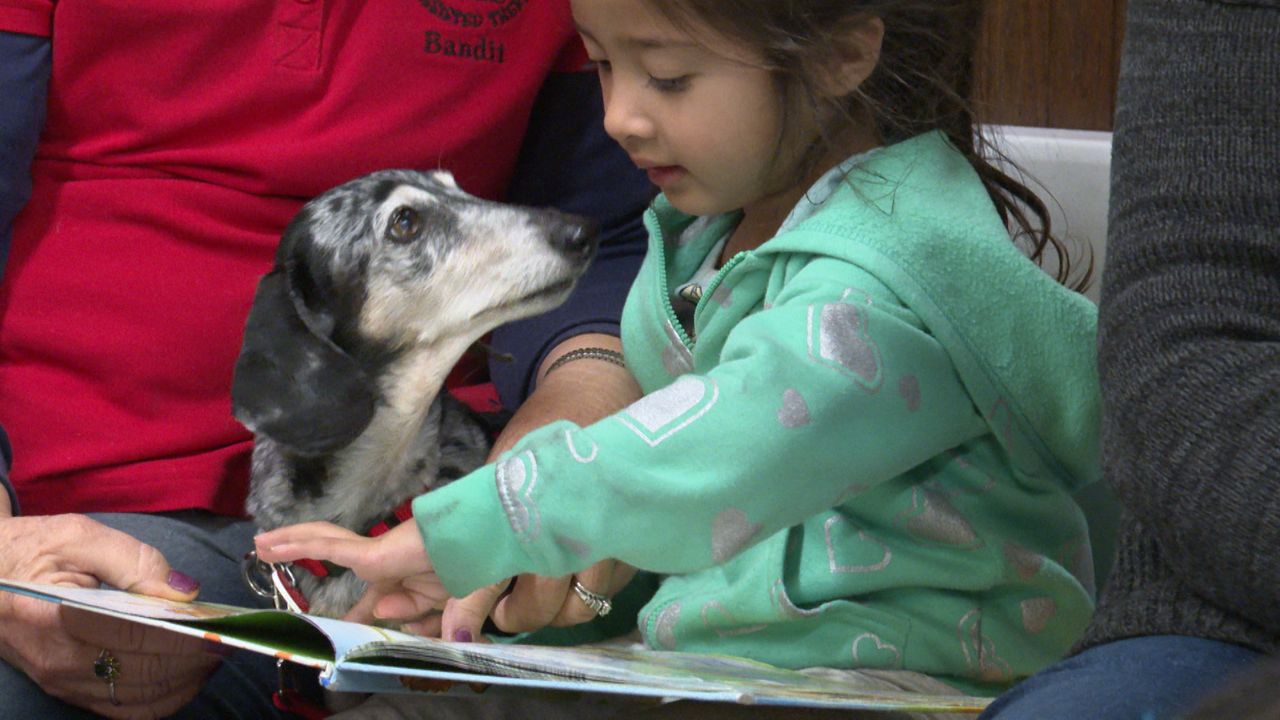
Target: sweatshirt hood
(1023,345)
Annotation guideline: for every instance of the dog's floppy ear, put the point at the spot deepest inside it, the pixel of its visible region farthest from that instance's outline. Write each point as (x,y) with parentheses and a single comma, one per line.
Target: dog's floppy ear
(292,383)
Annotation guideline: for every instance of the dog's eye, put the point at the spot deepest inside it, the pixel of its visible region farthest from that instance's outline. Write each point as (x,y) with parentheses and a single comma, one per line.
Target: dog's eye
(405,224)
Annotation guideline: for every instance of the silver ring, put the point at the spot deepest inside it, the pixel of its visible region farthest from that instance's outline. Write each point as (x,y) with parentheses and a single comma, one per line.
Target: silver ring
(107,669)
(599,604)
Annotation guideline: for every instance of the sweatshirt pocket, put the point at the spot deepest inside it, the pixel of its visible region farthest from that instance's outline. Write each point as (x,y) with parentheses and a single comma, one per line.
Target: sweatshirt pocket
(744,608)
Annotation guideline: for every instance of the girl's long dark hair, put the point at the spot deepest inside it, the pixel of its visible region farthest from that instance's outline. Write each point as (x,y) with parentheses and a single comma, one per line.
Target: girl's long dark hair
(923,82)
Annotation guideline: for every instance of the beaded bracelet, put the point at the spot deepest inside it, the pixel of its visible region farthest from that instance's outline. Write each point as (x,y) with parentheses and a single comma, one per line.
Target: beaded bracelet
(588,353)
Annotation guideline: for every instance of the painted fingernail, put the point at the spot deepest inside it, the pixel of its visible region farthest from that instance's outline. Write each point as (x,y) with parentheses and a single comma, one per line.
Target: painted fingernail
(462,635)
(183,582)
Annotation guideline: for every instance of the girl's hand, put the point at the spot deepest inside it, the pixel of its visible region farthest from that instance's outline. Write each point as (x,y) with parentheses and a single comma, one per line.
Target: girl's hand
(402,581)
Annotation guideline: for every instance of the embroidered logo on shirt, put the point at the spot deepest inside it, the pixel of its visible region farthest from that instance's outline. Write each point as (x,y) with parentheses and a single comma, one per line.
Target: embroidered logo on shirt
(482,49)
(490,14)
(497,14)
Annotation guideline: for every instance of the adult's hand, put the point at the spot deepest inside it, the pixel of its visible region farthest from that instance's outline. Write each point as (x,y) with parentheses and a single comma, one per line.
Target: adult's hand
(160,671)
(582,391)
(527,603)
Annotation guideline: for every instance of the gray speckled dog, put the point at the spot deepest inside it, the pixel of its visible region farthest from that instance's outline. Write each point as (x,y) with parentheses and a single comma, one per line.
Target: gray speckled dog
(379,286)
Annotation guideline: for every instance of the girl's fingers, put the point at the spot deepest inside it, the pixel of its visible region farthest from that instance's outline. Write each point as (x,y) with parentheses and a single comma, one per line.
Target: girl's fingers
(418,597)
(464,617)
(271,545)
(362,611)
(401,606)
(400,553)
(427,627)
(353,553)
(387,558)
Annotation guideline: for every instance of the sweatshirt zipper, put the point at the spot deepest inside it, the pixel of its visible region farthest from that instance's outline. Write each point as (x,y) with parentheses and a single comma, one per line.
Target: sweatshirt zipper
(718,278)
(664,288)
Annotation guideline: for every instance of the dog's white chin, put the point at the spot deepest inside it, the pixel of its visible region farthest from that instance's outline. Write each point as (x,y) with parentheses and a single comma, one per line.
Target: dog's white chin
(539,301)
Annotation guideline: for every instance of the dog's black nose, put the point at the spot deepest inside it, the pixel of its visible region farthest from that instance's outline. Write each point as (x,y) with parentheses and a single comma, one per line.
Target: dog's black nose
(575,235)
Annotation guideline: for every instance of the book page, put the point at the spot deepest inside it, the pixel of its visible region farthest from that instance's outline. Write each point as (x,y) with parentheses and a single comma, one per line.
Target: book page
(363,658)
(265,631)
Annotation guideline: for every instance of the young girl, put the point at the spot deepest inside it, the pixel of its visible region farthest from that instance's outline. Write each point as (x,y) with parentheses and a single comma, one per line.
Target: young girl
(866,409)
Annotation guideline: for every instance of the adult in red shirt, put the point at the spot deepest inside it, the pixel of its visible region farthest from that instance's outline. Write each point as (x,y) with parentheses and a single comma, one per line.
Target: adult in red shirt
(175,142)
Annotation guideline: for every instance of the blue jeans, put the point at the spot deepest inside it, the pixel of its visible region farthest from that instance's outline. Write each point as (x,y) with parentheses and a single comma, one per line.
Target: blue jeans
(209,549)
(1145,678)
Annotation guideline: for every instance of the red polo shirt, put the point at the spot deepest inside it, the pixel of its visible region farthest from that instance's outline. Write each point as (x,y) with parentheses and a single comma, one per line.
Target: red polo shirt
(180,139)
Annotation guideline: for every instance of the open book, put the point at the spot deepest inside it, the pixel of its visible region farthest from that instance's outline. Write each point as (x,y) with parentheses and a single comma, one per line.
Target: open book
(362,658)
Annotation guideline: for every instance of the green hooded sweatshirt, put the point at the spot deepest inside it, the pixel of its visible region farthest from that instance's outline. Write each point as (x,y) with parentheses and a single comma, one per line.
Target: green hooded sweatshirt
(862,455)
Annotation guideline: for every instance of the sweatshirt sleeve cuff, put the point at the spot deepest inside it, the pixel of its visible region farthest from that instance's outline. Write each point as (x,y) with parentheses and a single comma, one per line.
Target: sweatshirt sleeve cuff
(452,517)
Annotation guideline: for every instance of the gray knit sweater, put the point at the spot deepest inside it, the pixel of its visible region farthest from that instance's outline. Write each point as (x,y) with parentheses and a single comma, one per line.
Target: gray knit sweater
(1189,331)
